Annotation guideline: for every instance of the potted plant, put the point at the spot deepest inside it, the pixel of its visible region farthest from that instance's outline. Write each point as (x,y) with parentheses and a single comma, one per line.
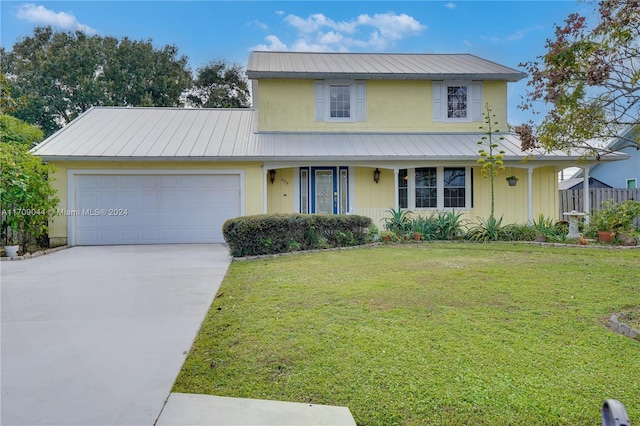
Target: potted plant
(11,245)
(387,236)
(614,218)
(512,180)
(627,238)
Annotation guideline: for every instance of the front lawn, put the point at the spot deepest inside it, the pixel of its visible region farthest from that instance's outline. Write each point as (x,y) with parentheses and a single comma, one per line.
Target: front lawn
(443,333)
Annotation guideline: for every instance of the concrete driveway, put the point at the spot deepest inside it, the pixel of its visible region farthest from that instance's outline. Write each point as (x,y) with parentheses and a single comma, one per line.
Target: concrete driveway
(97,335)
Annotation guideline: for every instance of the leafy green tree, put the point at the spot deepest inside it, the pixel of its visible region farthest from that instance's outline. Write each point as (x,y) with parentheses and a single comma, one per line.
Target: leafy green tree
(17,132)
(588,79)
(220,85)
(27,198)
(62,74)
(12,130)
(8,103)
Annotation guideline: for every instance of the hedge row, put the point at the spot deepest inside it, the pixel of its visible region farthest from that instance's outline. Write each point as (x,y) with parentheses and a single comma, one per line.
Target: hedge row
(280,233)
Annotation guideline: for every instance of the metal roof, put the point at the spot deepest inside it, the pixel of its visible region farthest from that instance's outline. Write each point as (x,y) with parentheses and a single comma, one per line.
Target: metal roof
(105,132)
(118,133)
(405,66)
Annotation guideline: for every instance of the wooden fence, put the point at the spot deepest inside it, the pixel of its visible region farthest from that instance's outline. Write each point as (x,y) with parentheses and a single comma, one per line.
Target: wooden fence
(573,199)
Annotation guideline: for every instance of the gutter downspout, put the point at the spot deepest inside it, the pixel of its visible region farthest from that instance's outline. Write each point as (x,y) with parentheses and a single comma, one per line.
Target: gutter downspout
(529,195)
(264,188)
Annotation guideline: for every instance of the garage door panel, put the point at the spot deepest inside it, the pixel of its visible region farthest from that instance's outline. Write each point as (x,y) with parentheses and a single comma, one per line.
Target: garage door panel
(149,181)
(190,199)
(129,182)
(170,181)
(130,199)
(159,208)
(108,182)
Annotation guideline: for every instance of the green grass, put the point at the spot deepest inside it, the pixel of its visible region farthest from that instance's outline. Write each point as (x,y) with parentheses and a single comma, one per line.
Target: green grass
(442,334)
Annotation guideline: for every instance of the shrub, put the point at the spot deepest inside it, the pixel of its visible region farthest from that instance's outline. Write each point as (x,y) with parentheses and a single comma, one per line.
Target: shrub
(425,225)
(518,232)
(615,217)
(27,198)
(280,233)
(449,225)
(487,230)
(398,221)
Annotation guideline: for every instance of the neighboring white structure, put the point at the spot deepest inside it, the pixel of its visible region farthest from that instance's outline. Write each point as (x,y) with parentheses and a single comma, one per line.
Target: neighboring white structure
(622,174)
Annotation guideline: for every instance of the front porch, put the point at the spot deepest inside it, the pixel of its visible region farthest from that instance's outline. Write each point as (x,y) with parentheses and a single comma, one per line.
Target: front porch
(373,189)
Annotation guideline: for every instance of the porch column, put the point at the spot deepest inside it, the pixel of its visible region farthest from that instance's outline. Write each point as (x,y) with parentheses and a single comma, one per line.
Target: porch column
(265,172)
(396,181)
(529,195)
(586,194)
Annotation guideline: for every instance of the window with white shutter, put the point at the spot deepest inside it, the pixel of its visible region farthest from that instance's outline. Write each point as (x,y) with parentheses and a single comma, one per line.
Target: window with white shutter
(456,101)
(340,101)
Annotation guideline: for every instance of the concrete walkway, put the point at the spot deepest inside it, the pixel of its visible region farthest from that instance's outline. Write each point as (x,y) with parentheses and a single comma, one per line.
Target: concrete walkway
(97,336)
(201,410)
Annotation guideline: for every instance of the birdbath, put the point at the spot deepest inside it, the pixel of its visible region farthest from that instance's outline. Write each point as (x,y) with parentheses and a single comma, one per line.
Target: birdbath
(573,223)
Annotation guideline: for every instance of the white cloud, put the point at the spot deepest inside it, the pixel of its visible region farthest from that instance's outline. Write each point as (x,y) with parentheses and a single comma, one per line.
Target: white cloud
(450,5)
(319,33)
(515,36)
(259,24)
(42,16)
(273,43)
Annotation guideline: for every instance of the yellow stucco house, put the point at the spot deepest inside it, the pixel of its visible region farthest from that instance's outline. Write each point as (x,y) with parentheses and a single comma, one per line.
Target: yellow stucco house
(339,133)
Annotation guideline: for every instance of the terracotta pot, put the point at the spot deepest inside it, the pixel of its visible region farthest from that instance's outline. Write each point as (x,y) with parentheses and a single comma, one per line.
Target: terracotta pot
(605,236)
(417,236)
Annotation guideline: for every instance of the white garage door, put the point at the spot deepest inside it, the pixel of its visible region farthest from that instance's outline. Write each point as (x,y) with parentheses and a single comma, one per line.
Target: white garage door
(154,209)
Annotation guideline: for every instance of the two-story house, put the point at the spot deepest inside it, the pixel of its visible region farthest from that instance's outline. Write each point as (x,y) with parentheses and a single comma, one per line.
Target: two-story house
(332,133)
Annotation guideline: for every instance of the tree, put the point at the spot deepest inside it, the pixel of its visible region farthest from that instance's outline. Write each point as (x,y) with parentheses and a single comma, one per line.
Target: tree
(220,85)
(27,198)
(17,132)
(62,74)
(13,130)
(589,78)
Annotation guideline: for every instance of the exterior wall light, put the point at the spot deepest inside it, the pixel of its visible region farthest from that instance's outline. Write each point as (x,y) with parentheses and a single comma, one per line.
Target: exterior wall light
(272,176)
(376,175)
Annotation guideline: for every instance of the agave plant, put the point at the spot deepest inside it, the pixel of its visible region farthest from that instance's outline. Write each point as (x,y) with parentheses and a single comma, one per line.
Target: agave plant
(398,221)
(449,225)
(486,230)
(426,226)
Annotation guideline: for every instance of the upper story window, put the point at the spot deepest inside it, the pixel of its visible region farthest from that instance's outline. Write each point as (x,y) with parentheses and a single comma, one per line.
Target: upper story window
(340,101)
(459,101)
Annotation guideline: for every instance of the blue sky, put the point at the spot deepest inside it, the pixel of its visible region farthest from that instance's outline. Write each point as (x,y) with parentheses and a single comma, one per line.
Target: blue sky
(507,32)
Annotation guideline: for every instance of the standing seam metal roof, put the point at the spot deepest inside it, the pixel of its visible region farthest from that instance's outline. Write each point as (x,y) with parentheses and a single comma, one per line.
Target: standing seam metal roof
(229,134)
(376,66)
